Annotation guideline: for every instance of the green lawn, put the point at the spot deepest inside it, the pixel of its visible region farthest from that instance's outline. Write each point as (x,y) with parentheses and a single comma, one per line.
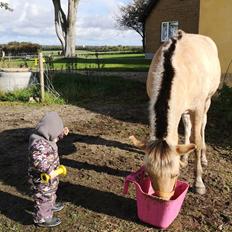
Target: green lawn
(78,89)
(89,60)
(106,62)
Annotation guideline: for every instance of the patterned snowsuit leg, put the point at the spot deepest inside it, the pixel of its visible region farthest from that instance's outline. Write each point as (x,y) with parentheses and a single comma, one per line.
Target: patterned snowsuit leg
(45,198)
(43,158)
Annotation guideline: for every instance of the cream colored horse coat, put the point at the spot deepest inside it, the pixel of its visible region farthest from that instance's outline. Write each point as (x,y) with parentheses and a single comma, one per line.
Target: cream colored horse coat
(183,76)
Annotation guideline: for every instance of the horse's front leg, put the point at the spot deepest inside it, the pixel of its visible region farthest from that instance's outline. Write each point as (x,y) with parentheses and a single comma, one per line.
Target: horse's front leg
(197,119)
(199,185)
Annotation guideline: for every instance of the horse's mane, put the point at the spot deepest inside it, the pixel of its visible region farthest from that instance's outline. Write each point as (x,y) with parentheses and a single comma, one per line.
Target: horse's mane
(158,146)
(159,160)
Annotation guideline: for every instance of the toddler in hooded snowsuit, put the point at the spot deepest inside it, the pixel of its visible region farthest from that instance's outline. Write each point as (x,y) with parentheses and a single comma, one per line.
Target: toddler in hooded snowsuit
(43,158)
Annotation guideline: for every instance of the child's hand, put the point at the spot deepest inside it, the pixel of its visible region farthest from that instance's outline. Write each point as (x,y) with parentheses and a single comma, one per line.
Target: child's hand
(66,131)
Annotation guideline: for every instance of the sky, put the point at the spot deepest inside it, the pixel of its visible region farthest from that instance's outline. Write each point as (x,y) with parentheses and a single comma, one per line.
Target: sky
(33,21)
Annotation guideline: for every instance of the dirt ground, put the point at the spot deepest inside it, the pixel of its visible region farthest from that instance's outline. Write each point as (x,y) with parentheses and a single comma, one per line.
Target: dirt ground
(98,155)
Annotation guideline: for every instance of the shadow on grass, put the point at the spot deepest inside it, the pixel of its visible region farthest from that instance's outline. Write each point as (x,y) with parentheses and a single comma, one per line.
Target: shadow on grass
(99,201)
(14,207)
(66,145)
(14,158)
(84,165)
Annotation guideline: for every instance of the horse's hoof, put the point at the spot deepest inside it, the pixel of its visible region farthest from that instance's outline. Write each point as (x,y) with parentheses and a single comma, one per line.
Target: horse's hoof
(200,190)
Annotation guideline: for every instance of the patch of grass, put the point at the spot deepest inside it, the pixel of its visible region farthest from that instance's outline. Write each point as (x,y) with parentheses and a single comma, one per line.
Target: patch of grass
(76,88)
(23,95)
(106,62)
(50,99)
(79,88)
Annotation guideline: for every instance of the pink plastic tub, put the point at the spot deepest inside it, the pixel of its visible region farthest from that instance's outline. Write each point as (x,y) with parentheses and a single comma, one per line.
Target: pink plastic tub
(153,210)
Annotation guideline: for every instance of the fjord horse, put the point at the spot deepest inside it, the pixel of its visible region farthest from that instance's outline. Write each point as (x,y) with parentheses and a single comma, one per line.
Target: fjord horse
(183,76)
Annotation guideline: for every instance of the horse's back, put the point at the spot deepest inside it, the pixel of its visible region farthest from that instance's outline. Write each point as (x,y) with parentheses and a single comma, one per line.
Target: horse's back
(195,63)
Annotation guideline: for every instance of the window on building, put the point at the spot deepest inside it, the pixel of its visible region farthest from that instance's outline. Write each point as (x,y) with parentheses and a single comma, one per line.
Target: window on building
(168,29)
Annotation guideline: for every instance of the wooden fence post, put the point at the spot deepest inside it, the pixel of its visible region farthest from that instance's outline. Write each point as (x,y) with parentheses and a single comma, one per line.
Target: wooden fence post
(41,76)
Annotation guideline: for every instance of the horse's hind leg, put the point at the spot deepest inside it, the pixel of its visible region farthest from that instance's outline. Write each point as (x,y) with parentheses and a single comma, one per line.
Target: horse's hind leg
(187,132)
(204,160)
(203,152)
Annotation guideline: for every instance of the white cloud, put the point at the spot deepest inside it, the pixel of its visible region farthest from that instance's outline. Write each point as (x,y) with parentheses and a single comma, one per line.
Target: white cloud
(34,21)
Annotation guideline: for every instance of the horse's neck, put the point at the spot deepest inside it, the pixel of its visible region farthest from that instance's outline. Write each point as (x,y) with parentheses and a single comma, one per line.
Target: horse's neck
(172,136)
(174,116)
(173,119)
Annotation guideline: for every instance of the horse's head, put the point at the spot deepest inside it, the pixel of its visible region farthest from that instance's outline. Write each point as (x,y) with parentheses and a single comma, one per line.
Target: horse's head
(162,163)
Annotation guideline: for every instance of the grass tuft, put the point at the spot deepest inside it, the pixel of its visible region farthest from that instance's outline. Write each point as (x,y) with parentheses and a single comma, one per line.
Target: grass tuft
(21,95)
(24,95)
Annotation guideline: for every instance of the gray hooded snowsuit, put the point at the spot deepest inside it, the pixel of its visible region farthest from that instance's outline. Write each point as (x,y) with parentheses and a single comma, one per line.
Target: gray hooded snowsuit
(43,157)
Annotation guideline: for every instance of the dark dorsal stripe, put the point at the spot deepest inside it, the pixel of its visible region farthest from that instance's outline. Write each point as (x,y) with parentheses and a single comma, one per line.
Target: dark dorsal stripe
(179,35)
(161,106)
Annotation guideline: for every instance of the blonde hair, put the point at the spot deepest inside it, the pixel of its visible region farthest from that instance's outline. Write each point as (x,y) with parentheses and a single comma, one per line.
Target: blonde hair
(159,160)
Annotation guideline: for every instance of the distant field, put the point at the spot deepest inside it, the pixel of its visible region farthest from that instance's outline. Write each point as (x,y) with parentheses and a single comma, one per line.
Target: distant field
(84,52)
(107,61)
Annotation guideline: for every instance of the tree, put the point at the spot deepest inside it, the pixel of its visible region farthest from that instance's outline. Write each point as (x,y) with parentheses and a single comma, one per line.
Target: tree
(131,15)
(65,26)
(5,6)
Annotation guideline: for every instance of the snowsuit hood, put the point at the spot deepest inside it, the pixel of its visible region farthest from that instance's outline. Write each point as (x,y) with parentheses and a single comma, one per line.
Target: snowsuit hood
(49,128)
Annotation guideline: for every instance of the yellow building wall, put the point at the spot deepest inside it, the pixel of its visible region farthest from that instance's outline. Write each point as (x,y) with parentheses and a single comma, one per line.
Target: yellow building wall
(185,12)
(216,22)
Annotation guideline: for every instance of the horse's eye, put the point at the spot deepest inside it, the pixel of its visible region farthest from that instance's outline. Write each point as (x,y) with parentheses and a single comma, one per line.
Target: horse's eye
(174,175)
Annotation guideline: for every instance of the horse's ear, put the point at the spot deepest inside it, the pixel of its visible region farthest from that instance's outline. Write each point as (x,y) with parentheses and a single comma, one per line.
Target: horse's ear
(185,148)
(140,144)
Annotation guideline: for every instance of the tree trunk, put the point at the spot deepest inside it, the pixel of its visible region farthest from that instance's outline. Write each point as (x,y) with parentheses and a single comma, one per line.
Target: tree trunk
(143,40)
(143,37)
(65,26)
(60,23)
(71,30)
